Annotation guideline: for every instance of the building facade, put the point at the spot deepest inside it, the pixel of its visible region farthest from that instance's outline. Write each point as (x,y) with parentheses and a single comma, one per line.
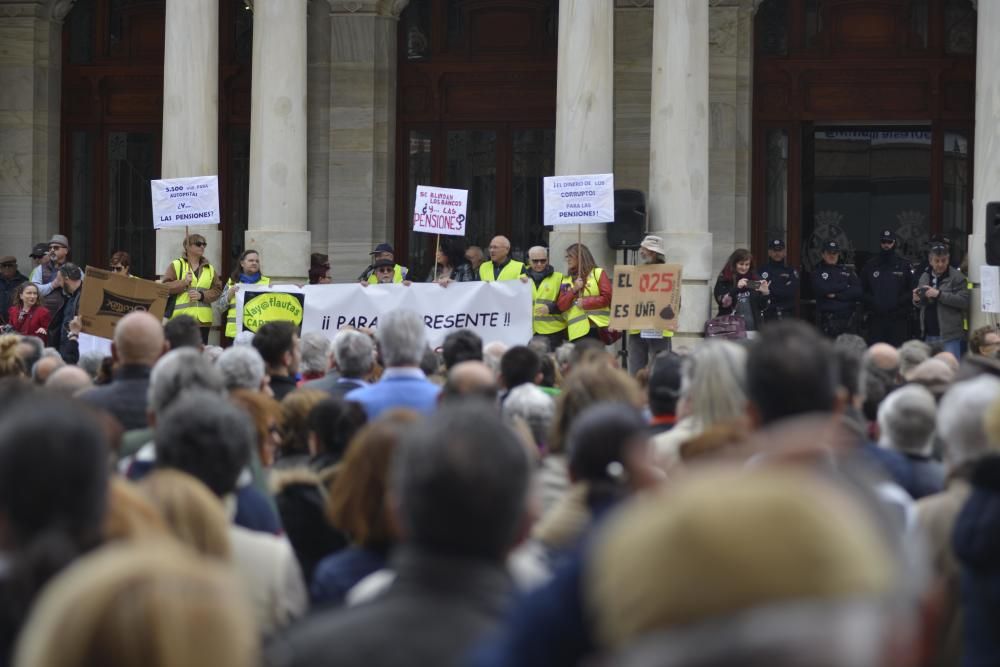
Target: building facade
(740,120)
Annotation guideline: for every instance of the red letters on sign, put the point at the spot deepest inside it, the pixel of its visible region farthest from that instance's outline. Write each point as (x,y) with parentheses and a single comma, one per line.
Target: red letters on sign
(656,282)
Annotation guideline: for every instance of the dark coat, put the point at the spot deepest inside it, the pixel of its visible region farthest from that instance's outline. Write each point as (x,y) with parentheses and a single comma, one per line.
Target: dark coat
(435,611)
(887,286)
(125,397)
(726,285)
(301,500)
(7,290)
(784,285)
(837,289)
(59,327)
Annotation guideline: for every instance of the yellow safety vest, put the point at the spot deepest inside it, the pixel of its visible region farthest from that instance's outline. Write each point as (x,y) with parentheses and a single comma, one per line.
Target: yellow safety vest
(579,320)
(231,313)
(545,294)
(397,275)
(512,271)
(201,311)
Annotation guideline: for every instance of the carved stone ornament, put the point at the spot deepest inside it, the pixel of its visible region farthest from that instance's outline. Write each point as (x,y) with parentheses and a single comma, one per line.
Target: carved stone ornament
(387,8)
(60,8)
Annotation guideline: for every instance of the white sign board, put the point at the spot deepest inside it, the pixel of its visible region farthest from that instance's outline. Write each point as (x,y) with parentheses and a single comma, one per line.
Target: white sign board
(574,200)
(182,202)
(497,311)
(440,210)
(989,285)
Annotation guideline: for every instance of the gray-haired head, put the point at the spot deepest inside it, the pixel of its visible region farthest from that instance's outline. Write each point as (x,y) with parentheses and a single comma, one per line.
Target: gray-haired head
(49,361)
(243,338)
(179,372)
(912,353)
(354,353)
(906,420)
(461,482)
(402,338)
(68,380)
(91,362)
(534,406)
(713,382)
(960,418)
(314,348)
(241,367)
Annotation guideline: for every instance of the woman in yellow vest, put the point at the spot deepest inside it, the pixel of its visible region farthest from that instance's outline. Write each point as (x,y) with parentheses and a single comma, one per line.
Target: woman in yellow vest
(194,284)
(248,273)
(585,297)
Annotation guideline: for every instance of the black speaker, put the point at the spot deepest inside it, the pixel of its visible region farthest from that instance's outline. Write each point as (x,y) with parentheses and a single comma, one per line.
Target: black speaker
(630,220)
(993,233)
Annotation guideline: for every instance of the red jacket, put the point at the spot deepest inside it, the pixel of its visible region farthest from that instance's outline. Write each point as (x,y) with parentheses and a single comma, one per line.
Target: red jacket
(603,301)
(38,317)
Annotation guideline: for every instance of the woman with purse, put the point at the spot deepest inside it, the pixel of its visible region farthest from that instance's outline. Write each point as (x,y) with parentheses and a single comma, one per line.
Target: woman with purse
(740,292)
(193,284)
(585,297)
(27,316)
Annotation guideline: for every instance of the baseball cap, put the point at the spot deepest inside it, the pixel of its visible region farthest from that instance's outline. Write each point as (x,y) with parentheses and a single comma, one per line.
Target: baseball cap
(887,235)
(831,246)
(383,262)
(776,244)
(382,247)
(8,259)
(40,250)
(59,239)
(939,248)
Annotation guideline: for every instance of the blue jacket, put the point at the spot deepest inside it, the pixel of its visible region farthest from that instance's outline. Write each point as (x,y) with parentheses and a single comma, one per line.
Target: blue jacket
(398,388)
(888,283)
(837,289)
(784,285)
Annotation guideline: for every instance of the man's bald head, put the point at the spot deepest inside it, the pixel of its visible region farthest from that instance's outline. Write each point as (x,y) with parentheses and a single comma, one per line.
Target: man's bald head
(138,340)
(45,366)
(884,356)
(470,378)
(499,249)
(68,380)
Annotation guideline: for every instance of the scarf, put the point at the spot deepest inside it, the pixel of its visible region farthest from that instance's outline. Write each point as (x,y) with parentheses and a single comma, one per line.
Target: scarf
(252,278)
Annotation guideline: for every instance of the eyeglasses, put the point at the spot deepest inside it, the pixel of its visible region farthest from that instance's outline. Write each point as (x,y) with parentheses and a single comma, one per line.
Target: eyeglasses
(116,269)
(55,247)
(200,244)
(538,261)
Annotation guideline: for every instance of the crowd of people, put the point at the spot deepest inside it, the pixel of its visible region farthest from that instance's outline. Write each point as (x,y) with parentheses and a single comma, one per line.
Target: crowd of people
(786,499)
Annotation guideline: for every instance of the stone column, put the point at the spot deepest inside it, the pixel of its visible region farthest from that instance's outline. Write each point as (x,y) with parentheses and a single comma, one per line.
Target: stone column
(986,181)
(362,133)
(277,224)
(678,155)
(30,80)
(190,144)
(584,111)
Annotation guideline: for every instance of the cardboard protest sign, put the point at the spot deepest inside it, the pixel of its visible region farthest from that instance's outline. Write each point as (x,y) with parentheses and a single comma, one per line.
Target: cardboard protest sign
(440,210)
(572,200)
(497,311)
(108,297)
(646,297)
(260,305)
(183,202)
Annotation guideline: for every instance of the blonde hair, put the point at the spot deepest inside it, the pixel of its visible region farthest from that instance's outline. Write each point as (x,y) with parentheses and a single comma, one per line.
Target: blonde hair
(139,605)
(192,513)
(589,383)
(11,363)
(130,516)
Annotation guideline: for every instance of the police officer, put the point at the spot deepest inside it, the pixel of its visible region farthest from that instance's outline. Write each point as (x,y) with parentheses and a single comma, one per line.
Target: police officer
(887,287)
(783,281)
(838,292)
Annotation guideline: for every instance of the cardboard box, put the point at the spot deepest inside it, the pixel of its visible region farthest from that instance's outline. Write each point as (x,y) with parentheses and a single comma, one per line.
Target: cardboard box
(107,297)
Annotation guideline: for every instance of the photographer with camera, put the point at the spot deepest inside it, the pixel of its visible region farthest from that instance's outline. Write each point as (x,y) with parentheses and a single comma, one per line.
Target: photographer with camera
(943,299)
(740,291)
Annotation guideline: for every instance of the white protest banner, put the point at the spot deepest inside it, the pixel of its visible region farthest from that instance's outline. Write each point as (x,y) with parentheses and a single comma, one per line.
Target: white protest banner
(440,210)
(180,202)
(989,284)
(574,200)
(497,311)
(256,305)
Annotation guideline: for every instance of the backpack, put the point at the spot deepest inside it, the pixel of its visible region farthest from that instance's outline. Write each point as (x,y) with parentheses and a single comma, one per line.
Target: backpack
(732,327)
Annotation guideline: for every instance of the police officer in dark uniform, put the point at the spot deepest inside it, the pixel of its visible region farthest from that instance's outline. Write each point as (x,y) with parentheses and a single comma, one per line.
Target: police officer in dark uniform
(838,293)
(887,284)
(783,281)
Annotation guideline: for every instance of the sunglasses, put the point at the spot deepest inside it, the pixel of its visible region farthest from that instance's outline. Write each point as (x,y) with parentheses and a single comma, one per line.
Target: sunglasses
(116,269)
(538,261)
(55,247)
(200,244)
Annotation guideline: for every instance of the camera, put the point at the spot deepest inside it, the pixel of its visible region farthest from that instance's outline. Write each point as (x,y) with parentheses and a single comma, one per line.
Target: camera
(753,284)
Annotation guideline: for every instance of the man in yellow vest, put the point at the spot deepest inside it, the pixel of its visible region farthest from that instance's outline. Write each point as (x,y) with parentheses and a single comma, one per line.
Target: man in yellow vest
(500,266)
(547,322)
(247,275)
(383,251)
(643,346)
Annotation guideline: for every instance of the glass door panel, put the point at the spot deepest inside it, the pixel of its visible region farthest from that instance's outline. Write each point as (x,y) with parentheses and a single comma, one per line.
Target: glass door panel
(132,163)
(533,154)
(471,164)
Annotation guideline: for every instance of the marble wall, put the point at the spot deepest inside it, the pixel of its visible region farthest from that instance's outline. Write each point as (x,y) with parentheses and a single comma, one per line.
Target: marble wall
(30,57)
